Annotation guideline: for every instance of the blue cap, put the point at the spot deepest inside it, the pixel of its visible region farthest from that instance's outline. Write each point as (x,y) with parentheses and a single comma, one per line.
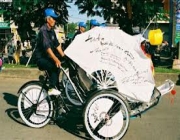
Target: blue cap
(82,24)
(50,12)
(94,22)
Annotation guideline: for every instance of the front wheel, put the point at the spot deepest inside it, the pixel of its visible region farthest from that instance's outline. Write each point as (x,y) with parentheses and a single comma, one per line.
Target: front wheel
(34,105)
(106,116)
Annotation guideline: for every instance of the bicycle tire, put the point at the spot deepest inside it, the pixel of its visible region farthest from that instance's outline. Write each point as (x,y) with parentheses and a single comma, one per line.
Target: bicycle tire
(34,114)
(28,83)
(106,111)
(64,78)
(71,94)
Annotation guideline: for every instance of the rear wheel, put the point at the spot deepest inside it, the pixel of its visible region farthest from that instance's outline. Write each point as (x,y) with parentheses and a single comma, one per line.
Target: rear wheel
(64,78)
(34,106)
(106,116)
(71,94)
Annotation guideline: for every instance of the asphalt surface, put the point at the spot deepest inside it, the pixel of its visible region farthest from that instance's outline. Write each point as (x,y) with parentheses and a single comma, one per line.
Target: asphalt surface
(11,125)
(160,123)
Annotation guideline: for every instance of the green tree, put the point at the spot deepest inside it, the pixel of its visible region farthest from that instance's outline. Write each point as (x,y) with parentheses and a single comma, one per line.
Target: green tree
(71,27)
(127,13)
(23,12)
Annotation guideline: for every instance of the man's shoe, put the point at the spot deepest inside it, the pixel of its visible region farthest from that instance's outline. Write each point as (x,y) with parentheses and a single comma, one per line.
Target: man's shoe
(53,91)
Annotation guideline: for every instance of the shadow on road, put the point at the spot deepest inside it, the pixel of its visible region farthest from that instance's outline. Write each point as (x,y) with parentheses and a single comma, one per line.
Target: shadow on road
(73,122)
(10,99)
(74,125)
(12,112)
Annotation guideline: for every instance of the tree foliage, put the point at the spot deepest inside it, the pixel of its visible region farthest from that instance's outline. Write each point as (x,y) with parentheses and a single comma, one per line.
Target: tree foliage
(70,27)
(127,13)
(24,12)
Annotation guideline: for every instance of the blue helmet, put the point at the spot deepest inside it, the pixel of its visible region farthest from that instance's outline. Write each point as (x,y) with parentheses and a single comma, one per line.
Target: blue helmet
(93,22)
(82,24)
(50,12)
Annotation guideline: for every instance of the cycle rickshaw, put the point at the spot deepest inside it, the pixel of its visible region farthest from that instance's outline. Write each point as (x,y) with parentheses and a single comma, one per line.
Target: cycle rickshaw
(109,87)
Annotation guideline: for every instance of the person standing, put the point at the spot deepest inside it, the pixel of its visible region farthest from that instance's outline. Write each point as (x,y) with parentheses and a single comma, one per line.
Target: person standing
(11,51)
(17,52)
(81,29)
(48,51)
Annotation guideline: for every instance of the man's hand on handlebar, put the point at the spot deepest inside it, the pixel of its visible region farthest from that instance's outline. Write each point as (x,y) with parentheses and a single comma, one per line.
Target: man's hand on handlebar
(64,61)
(58,63)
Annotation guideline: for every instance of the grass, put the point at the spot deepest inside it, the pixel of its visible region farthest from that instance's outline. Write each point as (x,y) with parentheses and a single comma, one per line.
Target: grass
(157,69)
(166,70)
(18,66)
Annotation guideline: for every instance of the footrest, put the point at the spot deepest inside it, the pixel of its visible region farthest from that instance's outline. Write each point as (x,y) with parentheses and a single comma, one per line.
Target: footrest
(166,87)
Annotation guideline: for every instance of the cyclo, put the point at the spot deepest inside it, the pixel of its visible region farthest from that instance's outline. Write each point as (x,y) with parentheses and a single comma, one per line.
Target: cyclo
(108,86)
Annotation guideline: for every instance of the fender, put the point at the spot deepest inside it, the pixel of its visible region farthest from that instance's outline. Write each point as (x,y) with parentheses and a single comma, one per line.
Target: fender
(27,83)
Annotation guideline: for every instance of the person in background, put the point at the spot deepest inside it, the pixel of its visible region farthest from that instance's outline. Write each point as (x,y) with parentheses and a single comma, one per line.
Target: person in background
(1,62)
(48,51)
(17,52)
(81,29)
(28,44)
(143,47)
(11,50)
(25,44)
(93,23)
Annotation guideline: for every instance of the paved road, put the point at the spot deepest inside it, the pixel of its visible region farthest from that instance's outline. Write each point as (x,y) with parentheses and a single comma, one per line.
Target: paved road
(160,123)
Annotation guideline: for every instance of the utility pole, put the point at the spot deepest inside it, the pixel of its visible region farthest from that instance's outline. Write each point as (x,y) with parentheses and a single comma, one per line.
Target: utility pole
(176,33)
(171,23)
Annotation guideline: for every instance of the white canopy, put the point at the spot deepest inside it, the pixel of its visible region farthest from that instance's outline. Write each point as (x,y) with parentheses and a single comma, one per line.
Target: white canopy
(119,53)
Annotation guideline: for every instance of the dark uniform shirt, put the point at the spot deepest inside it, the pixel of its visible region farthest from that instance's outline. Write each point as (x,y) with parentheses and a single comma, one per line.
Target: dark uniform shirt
(46,39)
(77,33)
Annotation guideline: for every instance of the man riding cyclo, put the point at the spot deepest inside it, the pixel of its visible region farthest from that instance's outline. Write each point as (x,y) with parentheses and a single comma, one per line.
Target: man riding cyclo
(48,51)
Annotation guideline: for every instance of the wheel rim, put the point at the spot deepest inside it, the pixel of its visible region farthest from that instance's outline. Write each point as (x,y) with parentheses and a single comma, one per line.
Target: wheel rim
(32,113)
(106,116)
(64,77)
(71,94)
(104,79)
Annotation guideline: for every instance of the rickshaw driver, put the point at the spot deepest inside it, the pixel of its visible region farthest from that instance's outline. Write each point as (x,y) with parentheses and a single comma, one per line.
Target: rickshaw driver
(49,52)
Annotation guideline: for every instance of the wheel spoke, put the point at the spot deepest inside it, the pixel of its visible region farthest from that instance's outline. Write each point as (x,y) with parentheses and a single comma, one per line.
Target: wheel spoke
(104,116)
(28,112)
(24,94)
(34,106)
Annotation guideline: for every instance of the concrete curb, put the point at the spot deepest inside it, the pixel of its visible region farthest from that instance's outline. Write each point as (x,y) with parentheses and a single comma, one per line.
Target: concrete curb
(24,73)
(33,73)
(161,77)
